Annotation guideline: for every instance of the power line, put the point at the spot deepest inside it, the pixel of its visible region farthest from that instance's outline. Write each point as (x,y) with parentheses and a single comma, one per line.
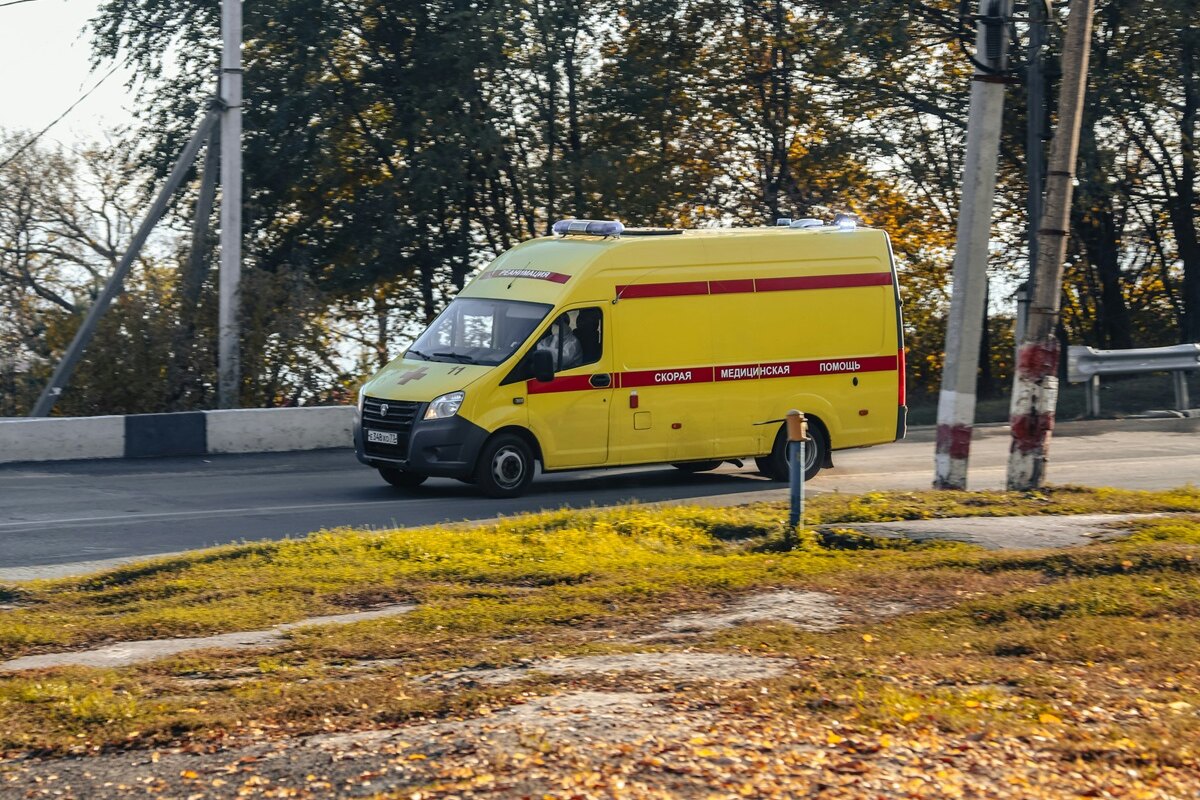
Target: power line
(59,118)
(14,3)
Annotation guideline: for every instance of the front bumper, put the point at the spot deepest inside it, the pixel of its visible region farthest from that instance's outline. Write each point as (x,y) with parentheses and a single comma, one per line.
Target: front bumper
(445,448)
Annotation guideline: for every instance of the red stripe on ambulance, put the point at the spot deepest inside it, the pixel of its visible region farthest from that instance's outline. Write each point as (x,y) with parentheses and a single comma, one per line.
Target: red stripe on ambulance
(823,282)
(750,372)
(744,286)
(801,369)
(682,289)
(834,366)
(751,285)
(567,383)
(666,377)
(734,372)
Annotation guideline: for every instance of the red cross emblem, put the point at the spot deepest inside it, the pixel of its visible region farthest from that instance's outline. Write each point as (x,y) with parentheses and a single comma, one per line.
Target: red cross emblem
(412,375)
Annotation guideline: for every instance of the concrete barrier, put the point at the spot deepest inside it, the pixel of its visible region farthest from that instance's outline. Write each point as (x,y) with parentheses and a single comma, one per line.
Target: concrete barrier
(62,438)
(191,433)
(181,434)
(271,430)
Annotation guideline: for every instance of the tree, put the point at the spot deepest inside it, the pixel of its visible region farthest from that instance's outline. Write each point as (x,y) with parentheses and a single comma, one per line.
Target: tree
(391,150)
(64,221)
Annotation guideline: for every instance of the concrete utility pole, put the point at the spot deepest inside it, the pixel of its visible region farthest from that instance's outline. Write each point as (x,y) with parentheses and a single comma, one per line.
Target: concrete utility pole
(956,403)
(1035,384)
(229,368)
(1035,125)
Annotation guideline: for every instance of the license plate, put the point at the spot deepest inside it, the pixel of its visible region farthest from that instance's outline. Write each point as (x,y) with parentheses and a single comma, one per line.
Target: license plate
(383,437)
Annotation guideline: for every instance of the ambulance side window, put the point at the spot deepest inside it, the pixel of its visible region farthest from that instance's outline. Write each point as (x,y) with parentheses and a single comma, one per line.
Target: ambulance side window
(587,326)
(575,339)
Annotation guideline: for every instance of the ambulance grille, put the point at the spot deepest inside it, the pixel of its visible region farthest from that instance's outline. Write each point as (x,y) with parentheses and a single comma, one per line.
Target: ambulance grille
(399,419)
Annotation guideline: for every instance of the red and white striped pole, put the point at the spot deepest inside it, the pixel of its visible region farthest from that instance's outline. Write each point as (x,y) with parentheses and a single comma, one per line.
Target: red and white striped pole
(1035,385)
(968,298)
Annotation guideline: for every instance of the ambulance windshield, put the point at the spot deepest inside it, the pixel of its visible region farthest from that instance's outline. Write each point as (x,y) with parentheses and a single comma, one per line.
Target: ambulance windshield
(476,330)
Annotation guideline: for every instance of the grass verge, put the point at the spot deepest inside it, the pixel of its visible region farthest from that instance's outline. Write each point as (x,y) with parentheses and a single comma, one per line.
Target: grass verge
(1085,648)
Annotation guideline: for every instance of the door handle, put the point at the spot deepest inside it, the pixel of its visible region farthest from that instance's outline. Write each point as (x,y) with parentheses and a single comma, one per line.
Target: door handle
(601,380)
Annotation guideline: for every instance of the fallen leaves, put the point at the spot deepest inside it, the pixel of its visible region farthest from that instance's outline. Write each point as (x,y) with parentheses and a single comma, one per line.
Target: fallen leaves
(1035,686)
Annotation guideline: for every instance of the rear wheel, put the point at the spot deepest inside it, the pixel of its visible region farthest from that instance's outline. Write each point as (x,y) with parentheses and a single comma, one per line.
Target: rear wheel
(505,466)
(775,465)
(401,479)
(696,466)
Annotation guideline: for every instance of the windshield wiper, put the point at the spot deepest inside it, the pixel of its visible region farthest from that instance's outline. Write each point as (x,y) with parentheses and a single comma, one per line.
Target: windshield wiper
(459,357)
(417,353)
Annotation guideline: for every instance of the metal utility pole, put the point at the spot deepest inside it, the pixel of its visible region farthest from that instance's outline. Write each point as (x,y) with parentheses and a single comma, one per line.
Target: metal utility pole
(66,367)
(1035,385)
(956,403)
(229,334)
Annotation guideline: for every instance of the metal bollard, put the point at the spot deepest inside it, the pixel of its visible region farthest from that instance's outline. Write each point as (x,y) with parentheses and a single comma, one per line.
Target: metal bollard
(1091,394)
(1182,402)
(797,433)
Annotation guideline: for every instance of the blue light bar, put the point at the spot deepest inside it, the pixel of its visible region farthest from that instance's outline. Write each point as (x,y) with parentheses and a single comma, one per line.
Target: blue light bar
(807,222)
(845,222)
(588,227)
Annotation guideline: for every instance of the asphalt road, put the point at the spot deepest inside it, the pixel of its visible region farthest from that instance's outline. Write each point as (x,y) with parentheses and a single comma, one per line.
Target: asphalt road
(103,512)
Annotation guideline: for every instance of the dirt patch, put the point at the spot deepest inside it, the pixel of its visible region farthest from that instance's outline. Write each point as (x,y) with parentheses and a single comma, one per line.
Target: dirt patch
(1005,533)
(366,763)
(123,654)
(573,717)
(677,666)
(810,611)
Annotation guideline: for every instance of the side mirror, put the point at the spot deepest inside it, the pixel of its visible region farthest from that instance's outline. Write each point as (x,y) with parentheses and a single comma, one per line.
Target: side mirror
(543,366)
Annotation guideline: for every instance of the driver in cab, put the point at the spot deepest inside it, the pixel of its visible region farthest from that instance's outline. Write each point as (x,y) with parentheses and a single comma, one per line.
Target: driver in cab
(562,344)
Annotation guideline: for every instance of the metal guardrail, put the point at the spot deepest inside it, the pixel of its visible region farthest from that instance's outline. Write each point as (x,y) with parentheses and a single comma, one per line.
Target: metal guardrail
(1087,364)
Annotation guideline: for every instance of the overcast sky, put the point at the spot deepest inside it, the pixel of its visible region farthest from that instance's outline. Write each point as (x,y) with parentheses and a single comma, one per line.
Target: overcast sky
(44,68)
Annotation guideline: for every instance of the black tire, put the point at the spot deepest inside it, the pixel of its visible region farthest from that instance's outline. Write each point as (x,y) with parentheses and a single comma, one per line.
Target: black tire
(816,449)
(401,479)
(697,466)
(505,466)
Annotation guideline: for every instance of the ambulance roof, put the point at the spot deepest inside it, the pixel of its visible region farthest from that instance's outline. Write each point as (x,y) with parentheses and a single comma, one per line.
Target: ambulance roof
(586,268)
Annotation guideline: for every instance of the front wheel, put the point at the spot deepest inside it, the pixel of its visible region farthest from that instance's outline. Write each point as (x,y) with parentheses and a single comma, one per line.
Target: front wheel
(402,479)
(775,465)
(505,466)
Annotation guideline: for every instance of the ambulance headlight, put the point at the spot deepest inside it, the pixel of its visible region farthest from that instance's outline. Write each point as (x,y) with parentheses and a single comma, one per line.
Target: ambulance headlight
(445,406)
(589,227)
(362,392)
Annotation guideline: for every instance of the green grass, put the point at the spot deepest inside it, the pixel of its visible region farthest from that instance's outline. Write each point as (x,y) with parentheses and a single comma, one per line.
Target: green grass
(1101,639)
(592,581)
(626,556)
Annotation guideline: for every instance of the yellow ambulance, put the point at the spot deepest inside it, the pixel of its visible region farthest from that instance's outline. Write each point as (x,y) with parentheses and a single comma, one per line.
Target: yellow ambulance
(604,346)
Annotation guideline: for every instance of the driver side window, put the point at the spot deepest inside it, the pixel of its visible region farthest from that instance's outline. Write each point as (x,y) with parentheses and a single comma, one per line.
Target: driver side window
(574,339)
